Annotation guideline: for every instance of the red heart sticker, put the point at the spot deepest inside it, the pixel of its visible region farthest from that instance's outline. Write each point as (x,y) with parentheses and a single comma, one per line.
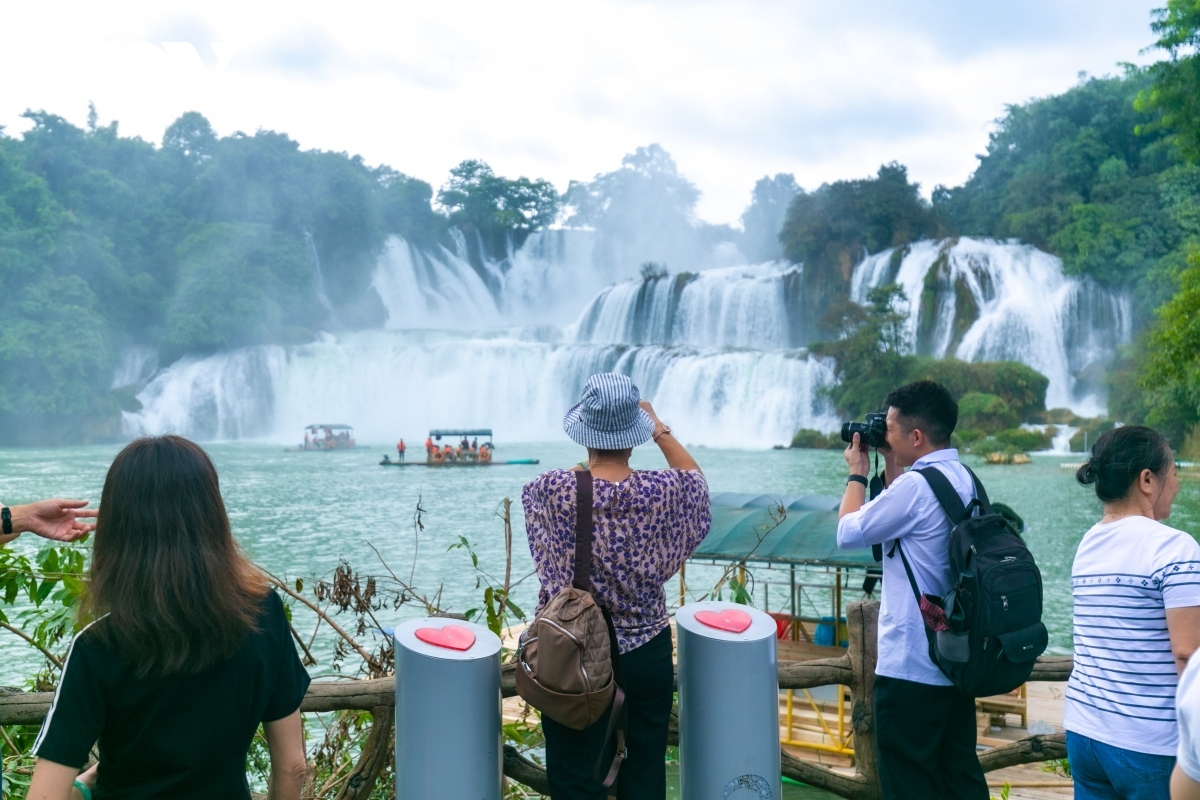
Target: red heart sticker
(451,637)
(730,620)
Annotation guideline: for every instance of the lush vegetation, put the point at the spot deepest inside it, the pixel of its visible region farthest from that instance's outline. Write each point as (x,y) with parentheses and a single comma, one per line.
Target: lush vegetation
(201,244)
(1105,175)
(870,351)
(1158,379)
(832,228)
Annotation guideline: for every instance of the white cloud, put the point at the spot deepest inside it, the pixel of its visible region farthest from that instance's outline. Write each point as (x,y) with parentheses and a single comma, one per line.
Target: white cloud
(562,90)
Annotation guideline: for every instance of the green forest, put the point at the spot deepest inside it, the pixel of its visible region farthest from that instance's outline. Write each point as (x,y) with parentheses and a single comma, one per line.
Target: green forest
(201,244)
(1105,176)
(206,242)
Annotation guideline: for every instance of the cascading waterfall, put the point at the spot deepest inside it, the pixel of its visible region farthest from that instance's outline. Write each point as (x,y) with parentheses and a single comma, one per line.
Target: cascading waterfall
(751,306)
(982,300)
(421,289)
(384,379)
(717,349)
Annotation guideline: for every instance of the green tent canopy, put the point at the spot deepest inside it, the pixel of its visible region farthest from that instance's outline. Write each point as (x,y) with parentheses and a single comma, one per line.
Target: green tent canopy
(743,529)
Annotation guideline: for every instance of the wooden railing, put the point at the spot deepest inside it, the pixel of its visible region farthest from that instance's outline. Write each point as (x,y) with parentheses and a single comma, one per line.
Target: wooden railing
(856,669)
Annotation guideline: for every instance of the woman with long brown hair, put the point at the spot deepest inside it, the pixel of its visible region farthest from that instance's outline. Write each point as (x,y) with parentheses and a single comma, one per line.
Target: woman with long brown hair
(186,653)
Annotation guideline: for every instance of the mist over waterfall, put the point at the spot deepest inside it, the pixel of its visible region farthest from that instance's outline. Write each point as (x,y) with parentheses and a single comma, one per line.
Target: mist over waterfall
(982,300)
(719,350)
(392,383)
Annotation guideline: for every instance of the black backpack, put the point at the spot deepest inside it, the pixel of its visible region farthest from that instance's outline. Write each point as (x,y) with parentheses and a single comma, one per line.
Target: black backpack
(986,633)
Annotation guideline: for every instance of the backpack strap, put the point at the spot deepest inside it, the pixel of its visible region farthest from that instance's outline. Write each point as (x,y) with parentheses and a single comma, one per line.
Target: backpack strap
(618,715)
(946,494)
(912,581)
(981,496)
(583,531)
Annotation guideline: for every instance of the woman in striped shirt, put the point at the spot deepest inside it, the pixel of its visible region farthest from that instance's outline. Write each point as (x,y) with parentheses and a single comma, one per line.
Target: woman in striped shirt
(1136,587)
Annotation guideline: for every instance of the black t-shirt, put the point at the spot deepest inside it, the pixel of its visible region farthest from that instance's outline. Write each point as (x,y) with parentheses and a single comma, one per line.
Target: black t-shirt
(178,737)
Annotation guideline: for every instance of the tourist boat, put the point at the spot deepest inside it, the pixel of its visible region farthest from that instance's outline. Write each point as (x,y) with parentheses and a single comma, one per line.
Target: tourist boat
(453,453)
(328,437)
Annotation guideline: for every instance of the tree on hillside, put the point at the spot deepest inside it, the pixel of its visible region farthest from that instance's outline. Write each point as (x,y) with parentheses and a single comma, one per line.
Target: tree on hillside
(868,345)
(502,212)
(831,229)
(643,211)
(406,208)
(1170,374)
(191,137)
(1175,91)
(763,218)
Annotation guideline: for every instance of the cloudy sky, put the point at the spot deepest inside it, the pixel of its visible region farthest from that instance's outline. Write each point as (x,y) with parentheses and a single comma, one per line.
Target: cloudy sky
(824,89)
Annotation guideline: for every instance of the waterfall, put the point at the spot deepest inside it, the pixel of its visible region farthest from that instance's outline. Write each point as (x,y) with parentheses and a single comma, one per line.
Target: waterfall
(424,289)
(136,366)
(314,261)
(749,306)
(982,300)
(719,350)
(380,381)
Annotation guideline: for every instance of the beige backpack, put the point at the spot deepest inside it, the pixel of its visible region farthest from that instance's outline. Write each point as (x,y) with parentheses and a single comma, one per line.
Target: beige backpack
(568,664)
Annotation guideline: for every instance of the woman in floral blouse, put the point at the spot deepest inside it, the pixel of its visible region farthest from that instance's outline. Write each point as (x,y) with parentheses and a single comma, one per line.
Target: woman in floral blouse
(646,524)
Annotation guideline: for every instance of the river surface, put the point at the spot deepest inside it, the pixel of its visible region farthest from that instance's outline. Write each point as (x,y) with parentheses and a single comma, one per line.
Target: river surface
(297,514)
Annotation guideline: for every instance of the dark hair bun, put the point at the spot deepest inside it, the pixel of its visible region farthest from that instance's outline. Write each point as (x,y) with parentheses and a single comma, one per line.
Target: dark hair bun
(1119,456)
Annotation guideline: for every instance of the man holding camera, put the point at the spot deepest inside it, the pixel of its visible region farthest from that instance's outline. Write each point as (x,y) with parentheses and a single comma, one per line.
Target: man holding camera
(924,727)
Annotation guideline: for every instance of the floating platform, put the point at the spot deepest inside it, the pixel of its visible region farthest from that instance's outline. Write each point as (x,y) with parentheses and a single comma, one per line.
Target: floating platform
(439,464)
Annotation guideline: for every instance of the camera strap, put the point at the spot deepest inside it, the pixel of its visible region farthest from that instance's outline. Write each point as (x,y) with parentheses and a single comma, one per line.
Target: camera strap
(876,488)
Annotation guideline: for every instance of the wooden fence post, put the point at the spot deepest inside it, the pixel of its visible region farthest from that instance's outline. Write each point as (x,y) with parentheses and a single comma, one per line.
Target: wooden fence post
(862,619)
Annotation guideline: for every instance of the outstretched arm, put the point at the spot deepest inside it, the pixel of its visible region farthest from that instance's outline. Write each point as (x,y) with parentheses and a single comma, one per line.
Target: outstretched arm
(676,454)
(58,520)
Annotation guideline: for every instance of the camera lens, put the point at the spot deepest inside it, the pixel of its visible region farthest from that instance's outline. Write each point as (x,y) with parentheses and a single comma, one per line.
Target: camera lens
(851,428)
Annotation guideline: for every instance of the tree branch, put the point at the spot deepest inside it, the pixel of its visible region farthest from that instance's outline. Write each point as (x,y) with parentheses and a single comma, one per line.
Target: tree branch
(53,658)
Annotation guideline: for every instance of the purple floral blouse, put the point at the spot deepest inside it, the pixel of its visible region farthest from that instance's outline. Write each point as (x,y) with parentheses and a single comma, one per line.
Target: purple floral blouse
(645,527)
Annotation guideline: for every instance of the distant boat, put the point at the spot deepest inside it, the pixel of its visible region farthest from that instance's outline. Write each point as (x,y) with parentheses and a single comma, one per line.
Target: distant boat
(456,455)
(328,437)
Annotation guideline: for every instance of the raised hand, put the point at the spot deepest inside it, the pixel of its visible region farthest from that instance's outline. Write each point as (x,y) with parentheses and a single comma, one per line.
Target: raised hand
(58,520)
(857,458)
(649,409)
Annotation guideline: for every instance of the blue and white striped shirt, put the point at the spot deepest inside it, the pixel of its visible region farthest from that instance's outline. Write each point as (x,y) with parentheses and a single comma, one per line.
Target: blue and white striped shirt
(1122,689)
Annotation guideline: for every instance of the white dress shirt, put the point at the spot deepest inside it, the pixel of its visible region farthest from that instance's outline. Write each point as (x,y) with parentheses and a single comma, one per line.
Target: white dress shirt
(909,510)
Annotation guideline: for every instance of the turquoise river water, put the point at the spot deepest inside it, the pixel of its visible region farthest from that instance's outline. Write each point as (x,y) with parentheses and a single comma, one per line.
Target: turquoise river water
(298,513)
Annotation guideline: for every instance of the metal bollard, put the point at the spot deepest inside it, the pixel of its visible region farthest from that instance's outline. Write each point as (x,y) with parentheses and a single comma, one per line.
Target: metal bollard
(728,703)
(447,705)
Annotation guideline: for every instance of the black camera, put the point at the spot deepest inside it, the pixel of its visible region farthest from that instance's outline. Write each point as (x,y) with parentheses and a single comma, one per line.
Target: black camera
(873,431)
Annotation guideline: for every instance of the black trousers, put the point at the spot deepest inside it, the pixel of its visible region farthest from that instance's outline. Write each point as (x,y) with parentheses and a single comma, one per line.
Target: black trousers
(571,755)
(925,737)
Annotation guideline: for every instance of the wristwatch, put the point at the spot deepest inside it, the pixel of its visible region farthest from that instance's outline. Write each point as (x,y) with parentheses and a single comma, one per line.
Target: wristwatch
(6,518)
(857,479)
(665,430)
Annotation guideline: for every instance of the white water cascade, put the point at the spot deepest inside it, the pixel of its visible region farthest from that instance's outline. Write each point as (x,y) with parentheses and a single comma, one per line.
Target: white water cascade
(390,383)
(749,306)
(982,300)
(718,351)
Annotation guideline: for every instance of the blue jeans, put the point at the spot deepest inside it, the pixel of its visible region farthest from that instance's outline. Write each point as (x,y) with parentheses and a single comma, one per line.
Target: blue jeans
(1104,772)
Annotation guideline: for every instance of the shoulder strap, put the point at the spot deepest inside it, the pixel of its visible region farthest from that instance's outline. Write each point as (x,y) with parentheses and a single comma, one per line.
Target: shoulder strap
(618,714)
(985,505)
(946,495)
(583,531)
(912,581)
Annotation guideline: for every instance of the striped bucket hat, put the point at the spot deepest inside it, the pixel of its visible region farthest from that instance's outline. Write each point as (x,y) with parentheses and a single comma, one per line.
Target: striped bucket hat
(608,417)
